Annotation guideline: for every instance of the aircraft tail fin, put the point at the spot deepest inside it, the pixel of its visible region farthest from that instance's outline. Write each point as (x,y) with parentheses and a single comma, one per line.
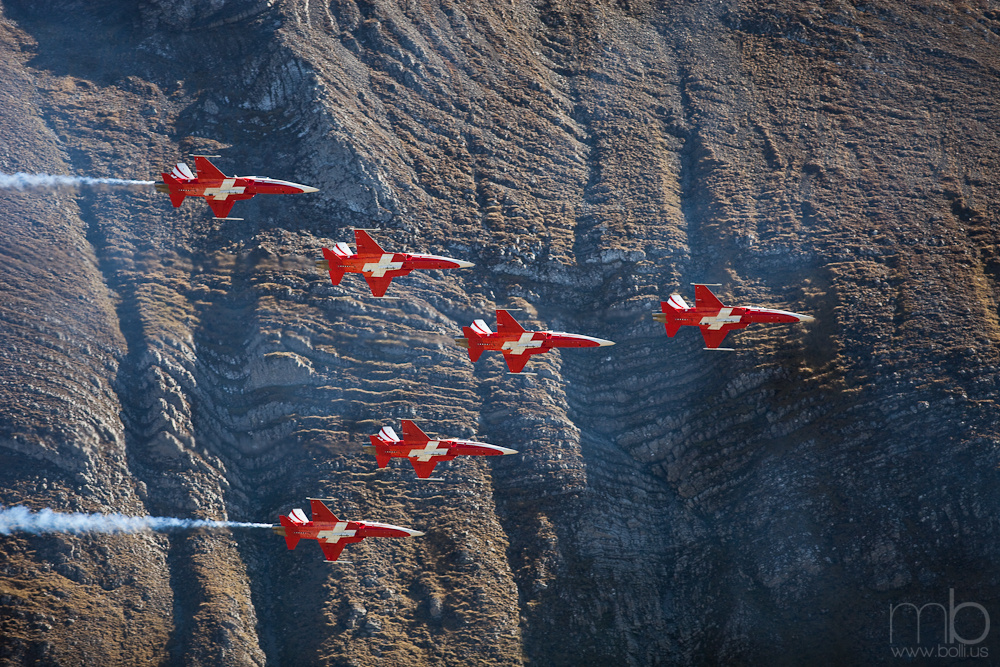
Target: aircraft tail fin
(170,182)
(670,309)
(320,512)
(332,261)
(471,341)
(181,172)
(413,432)
(507,324)
(704,298)
(206,169)
(387,435)
(291,540)
(366,244)
(378,448)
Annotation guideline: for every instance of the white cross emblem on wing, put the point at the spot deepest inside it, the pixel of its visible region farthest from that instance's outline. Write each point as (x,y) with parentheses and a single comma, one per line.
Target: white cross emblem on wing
(338,531)
(224,190)
(716,322)
(428,451)
(378,269)
(521,344)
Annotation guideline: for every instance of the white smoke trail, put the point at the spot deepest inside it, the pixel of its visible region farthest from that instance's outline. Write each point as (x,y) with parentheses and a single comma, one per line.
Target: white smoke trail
(22,520)
(22,181)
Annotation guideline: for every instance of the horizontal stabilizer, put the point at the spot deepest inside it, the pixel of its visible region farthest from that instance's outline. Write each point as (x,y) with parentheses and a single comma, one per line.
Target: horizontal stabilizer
(292,541)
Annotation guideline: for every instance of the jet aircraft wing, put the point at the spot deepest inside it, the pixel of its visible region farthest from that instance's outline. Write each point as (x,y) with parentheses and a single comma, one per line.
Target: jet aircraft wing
(378,285)
(366,244)
(506,324)
(516,362)
(221,207)
(423,468)
(206,170)
(331,550)
(713,337)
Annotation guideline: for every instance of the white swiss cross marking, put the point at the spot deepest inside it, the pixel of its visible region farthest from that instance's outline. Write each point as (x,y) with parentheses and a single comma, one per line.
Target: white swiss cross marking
(378,269)
(521,344)
(427,451)
(337,532)
(715,322)
(224,190)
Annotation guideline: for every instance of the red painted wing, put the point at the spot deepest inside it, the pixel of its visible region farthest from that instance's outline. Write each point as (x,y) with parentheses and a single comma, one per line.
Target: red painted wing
(366,244)
(331,550)
(516,362)
(423,468)
(321,512)
(507,324)
(221,207)
(713,337)
(378,285)
(413,433)
(703,298)
(207,170)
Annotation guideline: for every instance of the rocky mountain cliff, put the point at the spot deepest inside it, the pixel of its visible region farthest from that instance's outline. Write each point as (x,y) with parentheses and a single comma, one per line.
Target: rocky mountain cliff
(669,505)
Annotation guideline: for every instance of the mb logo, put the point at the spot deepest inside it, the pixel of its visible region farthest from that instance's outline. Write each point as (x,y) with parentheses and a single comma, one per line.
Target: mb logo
(906,620)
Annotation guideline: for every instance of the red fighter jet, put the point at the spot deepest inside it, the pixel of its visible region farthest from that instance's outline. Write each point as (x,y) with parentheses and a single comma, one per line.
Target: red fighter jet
(715,319)
(332,533)
(219,190)
(516,343)
(423,452)
(378,266)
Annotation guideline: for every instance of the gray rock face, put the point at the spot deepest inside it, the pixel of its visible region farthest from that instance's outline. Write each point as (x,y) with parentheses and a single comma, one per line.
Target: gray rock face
(668,505)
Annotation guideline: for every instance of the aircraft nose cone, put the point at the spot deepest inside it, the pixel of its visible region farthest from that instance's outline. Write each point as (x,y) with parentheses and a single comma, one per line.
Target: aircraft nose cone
(504,451)
(604,343)
(306,189)
(806,318)
(416,533)
(463,264)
